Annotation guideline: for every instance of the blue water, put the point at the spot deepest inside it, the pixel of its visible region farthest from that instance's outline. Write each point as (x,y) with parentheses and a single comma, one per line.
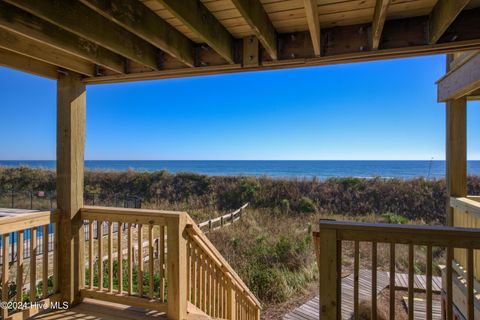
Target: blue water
(277,169)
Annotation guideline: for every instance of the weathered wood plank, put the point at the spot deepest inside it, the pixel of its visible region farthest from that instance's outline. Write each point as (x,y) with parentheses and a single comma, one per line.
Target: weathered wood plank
(379,17)
(460,82)
(19,21)
(204,24)
(442,16)
(36,50)
(93,27)
(311,11)
(254,14)
(138,19)
(23,63)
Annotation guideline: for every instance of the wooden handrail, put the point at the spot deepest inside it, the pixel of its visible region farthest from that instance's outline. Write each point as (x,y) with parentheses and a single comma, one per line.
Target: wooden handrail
(28,220)
(331,234)
(405,234)
(206,245)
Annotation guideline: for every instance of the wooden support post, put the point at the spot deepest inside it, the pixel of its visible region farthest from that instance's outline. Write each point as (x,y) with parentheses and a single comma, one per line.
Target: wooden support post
(456,152)
(71,109)
(177,268)
(328,274)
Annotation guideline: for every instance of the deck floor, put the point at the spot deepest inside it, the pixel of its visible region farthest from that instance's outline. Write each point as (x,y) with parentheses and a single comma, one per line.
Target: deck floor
(91,309)
(310,310)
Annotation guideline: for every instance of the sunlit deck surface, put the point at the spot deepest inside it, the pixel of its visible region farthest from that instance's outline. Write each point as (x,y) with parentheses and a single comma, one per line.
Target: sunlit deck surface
(310,310)
(96,309)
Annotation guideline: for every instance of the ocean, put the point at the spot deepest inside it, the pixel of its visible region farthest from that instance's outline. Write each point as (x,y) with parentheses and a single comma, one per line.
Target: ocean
(321,169)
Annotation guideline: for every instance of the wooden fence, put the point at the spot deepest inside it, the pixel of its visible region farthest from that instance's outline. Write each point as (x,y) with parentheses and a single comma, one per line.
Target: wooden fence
(223,221)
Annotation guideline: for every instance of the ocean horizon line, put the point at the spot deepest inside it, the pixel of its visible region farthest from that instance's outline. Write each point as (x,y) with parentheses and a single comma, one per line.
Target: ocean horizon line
(322,169)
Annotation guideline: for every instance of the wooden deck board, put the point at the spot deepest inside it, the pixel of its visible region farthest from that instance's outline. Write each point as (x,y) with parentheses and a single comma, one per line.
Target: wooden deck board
(95,310)
(310,310)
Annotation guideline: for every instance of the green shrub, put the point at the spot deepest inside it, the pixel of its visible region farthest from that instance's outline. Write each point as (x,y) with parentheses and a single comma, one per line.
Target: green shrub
(395,218)
(306,205)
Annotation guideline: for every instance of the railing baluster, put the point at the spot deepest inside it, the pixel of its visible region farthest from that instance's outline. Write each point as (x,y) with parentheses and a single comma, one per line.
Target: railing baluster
(356,267)
(209,286)
(140,260)
(449,279)
(204,282)
(20,240)
(100,254)
(411,279)
(55,258)
(199,279)
(193,272)
(110,256)
(162,263)
(429,283)
(90,254)
(130,259)
(189,268)
(392,280)
(120,258)
(45,260)
(470,289)
(374,280)
(6,246)
(150,261)
(33,264)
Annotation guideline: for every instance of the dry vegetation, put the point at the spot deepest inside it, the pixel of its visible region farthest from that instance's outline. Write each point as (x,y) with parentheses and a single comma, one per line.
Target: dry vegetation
(271,247)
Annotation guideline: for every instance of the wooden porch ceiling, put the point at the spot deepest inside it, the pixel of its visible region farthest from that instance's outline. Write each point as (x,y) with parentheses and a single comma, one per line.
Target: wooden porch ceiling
(125,40)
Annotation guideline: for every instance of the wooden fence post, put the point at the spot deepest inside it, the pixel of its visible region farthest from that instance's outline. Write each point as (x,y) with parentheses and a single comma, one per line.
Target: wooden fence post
(177,268)
(329,305)
(71,114)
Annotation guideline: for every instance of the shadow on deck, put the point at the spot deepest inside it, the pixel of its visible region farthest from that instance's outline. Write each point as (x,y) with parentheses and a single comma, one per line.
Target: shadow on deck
(310,310)
(95,309)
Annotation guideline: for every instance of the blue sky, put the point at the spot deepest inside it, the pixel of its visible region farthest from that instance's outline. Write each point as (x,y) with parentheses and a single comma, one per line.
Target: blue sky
(377,110)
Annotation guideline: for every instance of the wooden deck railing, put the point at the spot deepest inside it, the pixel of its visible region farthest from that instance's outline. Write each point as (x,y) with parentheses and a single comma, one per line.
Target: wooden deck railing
(213,286)
(188,274)
(466,214)
(332,235)
(25,227)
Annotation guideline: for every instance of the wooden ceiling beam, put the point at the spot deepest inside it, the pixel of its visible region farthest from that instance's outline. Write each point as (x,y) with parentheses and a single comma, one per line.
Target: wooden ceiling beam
(442,16)
(17,61)
(311,11)
(19,21)
(379,17)
(140,20)
(254,13)
(39,51)
(82,21)
(204,24)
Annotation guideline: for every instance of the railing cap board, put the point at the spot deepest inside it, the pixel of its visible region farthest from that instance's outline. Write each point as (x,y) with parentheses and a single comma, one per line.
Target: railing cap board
(163,213)
(28,220)
(467,204)
(405,234)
